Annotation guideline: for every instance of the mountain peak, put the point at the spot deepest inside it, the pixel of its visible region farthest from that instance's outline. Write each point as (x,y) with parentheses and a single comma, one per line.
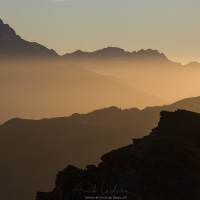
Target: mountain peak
(179,123)
(13,45)
(1,22)
(112,49)
(110,52)
(79,53)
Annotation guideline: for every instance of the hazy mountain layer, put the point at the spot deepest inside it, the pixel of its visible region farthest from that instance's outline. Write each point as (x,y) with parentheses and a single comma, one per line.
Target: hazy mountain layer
(145,70)
(42,89)
(163,165)
(32,151)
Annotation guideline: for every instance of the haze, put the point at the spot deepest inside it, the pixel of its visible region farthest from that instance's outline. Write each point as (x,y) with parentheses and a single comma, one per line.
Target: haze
(43,89)
(48,88)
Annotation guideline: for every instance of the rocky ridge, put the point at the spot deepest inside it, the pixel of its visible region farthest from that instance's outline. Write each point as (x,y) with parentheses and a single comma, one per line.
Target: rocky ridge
(163,165)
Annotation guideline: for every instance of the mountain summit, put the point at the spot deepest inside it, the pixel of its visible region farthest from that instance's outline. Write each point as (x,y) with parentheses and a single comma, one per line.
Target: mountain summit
(12,44)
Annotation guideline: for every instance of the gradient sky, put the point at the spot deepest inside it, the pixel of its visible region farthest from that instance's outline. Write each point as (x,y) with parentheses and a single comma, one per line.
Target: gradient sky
(170,26)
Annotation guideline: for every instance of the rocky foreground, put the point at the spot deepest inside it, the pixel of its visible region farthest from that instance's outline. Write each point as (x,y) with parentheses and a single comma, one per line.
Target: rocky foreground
(163,165)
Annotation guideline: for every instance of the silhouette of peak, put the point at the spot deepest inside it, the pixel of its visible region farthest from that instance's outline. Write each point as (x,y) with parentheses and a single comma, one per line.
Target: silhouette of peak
(109,52)
(16,120)
(79,53)
(149,51)
(179,123)
(113,108)
(112,49)
(12,44)
(1,22)
(7,31)
(157,166)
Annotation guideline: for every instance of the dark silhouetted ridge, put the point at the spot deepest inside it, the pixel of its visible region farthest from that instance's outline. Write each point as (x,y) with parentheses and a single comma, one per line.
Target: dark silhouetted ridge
(163,165)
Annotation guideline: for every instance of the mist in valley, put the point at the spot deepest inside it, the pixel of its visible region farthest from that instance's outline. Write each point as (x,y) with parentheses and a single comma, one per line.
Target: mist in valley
(54,88)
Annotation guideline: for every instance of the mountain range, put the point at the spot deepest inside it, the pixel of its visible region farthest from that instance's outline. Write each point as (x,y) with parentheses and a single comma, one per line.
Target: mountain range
(13,46)
(118,54)
(37,90)
(163,165)
(145,70)
(32,151)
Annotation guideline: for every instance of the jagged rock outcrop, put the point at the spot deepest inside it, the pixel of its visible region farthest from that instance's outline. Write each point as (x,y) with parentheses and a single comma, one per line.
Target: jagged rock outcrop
(163,165)
(12,44)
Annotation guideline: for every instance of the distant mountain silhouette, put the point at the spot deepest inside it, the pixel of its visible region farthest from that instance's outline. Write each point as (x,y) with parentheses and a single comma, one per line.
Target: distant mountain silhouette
(163,165)
(12,44)
(112,53)
(139,121)
(32,151)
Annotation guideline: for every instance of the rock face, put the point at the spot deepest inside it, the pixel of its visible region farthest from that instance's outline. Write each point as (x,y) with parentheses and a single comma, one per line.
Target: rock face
(163,165)
(12,44)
